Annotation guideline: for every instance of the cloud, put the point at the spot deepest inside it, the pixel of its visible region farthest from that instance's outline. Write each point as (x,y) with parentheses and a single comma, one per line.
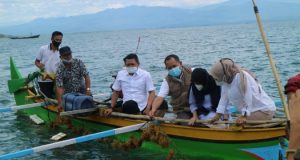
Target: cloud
(20,11)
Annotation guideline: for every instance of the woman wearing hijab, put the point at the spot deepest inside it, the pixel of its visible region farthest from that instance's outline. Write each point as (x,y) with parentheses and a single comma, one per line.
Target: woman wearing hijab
(241,89)
(204,95)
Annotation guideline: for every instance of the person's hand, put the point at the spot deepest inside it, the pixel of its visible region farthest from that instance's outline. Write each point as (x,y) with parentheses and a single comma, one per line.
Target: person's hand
(241,120)
(88,92)
(146,111)
(60,108)
(216,118)
(152,113)
(192,121)
(41,66)
(107,112)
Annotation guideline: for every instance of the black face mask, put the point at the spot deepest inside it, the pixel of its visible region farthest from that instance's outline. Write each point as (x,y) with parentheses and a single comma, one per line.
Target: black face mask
(56,44)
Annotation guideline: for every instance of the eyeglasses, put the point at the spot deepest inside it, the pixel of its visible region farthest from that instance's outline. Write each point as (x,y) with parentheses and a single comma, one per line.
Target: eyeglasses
(222,64)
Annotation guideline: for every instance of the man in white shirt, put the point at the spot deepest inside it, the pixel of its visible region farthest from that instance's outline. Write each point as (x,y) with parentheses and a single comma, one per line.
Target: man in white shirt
(137,88)
(47,60)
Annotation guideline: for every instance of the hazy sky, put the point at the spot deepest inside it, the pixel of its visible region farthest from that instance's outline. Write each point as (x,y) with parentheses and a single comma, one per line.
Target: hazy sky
(21,11)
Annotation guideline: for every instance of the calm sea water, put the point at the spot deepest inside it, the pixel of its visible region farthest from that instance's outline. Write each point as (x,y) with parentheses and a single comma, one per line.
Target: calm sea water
(103,52)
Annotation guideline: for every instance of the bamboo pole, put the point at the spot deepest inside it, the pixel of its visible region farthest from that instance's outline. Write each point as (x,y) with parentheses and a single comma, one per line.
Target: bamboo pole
(274,70)
(80,139)
(174,120)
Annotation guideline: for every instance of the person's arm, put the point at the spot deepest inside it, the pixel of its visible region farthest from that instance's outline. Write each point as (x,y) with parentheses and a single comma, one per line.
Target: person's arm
(247,94)
(87,84)
(221,109)
(39,64)
(193,108)
(294,110)
(150,101)
(193,119)
(151,93)
(115,95)
(85,74)
(163,92)
(59,94)
(39,58)
(114,99)
(155,105)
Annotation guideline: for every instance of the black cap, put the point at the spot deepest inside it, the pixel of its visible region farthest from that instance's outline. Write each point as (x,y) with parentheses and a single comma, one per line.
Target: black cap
(65,50)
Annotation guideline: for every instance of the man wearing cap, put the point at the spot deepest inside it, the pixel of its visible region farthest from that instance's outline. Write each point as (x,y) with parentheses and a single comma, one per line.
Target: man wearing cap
(71,76)
(47,60)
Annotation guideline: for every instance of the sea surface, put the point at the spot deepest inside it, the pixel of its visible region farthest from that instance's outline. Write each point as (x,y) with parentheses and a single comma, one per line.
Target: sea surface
(103,54)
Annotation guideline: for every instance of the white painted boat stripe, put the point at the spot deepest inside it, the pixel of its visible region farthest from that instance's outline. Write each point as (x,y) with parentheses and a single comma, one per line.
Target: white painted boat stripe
(16,108)
(54,145)
(129,128)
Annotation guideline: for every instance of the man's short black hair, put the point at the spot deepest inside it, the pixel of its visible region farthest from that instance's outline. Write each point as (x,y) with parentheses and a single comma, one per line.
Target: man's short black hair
(172,56)
(65,50)
(56,33)
(132,56)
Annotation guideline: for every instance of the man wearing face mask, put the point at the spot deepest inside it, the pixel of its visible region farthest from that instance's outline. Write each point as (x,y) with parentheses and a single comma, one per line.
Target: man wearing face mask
(176,84)
(137,88)
(71,76)
(48,60)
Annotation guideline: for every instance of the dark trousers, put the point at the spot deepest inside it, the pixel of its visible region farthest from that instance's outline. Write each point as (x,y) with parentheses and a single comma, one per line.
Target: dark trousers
(131,107)
(47,89)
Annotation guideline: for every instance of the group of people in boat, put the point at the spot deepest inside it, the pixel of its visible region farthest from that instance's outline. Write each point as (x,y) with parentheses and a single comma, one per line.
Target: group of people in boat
(194,93)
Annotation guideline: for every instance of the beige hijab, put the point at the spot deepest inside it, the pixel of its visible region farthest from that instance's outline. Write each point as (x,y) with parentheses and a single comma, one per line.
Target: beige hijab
(225,70)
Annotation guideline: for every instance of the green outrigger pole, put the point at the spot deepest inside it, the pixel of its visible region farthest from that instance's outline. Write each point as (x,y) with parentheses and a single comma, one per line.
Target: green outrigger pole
(274,70)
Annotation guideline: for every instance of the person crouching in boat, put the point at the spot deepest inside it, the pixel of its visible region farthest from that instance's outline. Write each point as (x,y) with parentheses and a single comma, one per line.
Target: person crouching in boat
(176,84)
(292,90)
(241,89)
(204,95)
(136,85)
(71,76)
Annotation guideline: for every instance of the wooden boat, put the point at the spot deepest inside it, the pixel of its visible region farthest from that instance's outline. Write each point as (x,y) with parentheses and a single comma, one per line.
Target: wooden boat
(24,37)
(188,142)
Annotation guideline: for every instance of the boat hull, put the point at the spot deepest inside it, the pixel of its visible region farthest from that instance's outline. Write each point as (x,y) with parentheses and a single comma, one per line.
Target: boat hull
(24,37)
(184,146)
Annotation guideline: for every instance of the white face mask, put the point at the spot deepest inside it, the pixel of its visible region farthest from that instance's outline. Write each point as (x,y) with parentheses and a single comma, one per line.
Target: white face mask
(67,61)
(199,87)
(219,83)
(131,70)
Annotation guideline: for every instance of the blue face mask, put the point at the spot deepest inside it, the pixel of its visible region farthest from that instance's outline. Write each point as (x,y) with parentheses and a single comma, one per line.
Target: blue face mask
(175,72)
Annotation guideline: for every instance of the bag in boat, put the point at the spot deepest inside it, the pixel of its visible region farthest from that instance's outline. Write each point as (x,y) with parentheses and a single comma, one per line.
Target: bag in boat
(76,101)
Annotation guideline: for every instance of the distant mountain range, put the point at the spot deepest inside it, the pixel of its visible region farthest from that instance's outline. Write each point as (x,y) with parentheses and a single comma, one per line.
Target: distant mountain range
(138,17)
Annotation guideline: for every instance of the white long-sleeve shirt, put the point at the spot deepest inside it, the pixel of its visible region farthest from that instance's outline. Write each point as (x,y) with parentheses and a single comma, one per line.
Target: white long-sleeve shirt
(254,99)
(206,104)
